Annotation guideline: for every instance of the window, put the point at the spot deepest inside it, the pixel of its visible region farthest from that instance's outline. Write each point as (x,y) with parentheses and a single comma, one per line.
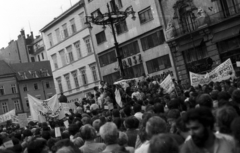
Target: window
(54,59)
(70,53)
(50,40)
(75,78)
(228,7)
(59,82)
(57,31)
(32,59)
(97,14)
(134,71)
(42,55)
(78,49)
(111,78)
(82,20)
(145,15)
(25,88)
(63,57)
(84,76)
(195,54)
(14,88)
(34,74)
(129,49)
(158,64)
(35,85)
(107,58)
(152,40)
(101,37)
(229,44)
(94,72)
(88,44)
(39,58)
(68,81)
(65,30)
(4,107)
(121,27)
(1,90)
(47,85)
(73,26)
(118,4)
(17,105)
(27,103)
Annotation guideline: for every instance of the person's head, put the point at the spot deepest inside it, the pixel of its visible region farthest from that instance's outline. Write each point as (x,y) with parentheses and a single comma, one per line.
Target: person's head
(88,133)
(223,96)
(86,120)
(163,143)
(96,124)
(172,115)
(123,139)
(158,108)
(235,126)
(115,113)
(181,128)
(65,146)
(155,125)
(73,129)
(173,104)
(205,101)
(27,133)
(127,111)
(109,133)
(200,122)
(38,145)
(46,135)
(130,122)
(137,108)
(236,96)
(225,116)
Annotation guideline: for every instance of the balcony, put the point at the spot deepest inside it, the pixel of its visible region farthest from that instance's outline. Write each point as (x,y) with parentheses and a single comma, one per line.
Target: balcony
(38,50)
(203,21)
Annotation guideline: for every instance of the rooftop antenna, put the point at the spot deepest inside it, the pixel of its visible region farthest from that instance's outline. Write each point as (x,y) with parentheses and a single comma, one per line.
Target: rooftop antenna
(70,3)
(29,26)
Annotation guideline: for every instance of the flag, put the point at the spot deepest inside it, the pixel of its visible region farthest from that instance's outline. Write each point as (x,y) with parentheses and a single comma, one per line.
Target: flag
(118,98)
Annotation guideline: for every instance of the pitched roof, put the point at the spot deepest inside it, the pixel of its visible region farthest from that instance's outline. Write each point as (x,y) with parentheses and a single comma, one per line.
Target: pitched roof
(5,68)
(25,71)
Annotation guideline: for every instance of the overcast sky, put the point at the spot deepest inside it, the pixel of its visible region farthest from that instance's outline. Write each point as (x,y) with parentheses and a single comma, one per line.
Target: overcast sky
(25,14)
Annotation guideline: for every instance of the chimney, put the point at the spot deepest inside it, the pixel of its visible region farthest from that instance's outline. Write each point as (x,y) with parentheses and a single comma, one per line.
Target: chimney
(27,36)
(32,34)
(22,32)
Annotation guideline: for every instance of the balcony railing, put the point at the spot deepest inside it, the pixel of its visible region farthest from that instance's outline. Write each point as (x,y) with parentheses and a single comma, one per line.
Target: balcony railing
(201,22)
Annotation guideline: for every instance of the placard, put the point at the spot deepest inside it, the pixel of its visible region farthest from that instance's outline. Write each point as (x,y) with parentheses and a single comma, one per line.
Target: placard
(22,120)
(8,144)
(66,123)
(57,132)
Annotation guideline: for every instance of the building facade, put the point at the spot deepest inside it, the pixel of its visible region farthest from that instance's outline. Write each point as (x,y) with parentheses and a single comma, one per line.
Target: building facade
(202,34)
(9,94)
(37,50)
(142,43)
(69,48)
(35,79)
(17,51)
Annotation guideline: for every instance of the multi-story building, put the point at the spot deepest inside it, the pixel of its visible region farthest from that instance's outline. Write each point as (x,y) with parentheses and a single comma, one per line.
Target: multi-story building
(37,50)
(17,51)
(35,79)
(142,42)
(18,80)
(202,34)
(9,94)
(69,48)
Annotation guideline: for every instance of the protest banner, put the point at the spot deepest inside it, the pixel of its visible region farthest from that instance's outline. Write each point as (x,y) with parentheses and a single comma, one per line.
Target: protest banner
(220,73)
(167,84)
(118,98)
(23,119)
(7,116)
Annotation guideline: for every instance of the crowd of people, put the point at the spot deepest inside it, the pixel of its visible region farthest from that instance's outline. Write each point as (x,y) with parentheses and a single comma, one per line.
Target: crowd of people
(202,119)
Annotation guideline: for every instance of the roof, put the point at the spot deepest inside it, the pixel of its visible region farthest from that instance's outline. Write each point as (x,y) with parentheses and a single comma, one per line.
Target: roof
(34,70)
(5,68)
(63,15)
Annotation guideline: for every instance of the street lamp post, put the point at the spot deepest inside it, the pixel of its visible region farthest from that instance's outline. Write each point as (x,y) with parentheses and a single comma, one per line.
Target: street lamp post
(110,18)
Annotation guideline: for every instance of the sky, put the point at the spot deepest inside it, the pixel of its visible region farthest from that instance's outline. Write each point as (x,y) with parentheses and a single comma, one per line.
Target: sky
(28,14)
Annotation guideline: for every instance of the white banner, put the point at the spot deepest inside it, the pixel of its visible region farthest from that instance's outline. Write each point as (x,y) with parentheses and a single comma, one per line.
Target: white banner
(7,116)
(118,98)
(220,73)
(22,119)
(167,84)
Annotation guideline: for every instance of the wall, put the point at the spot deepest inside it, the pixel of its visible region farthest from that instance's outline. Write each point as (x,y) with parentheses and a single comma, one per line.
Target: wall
(36,93)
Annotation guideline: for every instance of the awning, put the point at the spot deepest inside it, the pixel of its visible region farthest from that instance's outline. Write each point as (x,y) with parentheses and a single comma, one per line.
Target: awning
(223,35)
(190,45)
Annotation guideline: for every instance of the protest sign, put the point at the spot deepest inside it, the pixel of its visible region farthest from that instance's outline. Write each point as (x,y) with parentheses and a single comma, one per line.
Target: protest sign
(57,132)
(168,84)
(66,123)
(118,98)
(23,119)
(8,144)
(7,116)
(220,73)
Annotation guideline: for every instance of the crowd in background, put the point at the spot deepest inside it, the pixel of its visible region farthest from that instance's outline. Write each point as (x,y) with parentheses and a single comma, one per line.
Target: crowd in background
(202,119)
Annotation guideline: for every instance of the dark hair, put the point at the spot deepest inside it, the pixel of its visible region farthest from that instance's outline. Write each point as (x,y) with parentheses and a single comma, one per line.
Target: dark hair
(118,122)
(73,129)
(214,95)
(205,101)
(65,143)
(173,104)
(224,95)
(115,113)
(202,115)
(235,126)
(27,133)
(158,108)
(236,96)
(131,122)
(137,108)
(87,132)
(225,116)
(127,110)
(46,135)
(180,125)
(36,145)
